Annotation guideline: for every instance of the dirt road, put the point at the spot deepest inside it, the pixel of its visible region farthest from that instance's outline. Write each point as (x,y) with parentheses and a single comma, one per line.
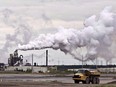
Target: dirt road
(39,77)
(49,84)
(35,80)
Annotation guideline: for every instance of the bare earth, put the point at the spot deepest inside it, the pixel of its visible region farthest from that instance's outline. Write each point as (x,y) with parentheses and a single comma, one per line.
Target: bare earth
(35,80)
(49,84)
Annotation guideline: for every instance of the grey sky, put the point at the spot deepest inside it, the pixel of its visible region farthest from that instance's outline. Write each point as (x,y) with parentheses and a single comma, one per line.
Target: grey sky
(59,9)
(45,16)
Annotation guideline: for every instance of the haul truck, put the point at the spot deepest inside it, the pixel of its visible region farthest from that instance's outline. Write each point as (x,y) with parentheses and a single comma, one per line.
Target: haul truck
(87,76)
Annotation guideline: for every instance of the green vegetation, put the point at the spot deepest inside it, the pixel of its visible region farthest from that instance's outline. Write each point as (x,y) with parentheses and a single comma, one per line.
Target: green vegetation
(53,71)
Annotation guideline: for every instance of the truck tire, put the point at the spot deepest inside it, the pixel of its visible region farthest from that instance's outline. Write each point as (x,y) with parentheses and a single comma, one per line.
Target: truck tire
(94,80)
(97,80)
(76,81)
(87,81)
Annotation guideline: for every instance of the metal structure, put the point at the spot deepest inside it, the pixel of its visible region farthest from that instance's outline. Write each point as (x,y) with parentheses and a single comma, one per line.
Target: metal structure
(46,58)
(14,59)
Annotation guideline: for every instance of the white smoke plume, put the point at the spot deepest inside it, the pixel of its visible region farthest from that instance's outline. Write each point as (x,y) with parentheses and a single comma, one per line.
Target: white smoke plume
(96,37)
(21,35)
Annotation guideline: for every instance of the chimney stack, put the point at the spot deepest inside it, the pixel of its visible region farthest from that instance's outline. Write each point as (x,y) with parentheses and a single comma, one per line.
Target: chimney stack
(46,58)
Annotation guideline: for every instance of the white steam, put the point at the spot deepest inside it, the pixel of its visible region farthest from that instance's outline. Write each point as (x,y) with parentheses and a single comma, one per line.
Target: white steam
(21,35)
(96,37)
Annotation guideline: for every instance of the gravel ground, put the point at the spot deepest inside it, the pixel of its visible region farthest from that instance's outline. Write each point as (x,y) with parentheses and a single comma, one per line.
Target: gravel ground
(49,84)
(33,80)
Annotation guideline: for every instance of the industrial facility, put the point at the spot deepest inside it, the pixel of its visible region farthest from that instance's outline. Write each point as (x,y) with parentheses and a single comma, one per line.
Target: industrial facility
(15,60)
(15,63)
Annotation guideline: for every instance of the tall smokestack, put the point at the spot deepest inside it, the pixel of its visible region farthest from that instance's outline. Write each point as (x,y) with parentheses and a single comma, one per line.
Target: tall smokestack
(46,58)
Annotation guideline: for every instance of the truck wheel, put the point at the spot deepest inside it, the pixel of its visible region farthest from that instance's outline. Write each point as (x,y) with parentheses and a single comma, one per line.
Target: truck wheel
(76,81)
(94,80)
(97,80)
(87,81)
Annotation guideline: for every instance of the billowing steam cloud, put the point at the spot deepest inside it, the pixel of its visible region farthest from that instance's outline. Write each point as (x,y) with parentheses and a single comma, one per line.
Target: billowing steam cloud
(21,35)
(96,37)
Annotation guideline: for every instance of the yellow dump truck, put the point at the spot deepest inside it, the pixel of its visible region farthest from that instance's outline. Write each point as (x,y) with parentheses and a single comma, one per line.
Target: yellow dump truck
(87,76)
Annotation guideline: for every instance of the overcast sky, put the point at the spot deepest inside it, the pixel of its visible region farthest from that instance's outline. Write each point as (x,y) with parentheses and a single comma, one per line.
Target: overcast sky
(44,16)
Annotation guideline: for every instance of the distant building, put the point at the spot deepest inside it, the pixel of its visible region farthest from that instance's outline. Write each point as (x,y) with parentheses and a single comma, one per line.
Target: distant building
(26,68)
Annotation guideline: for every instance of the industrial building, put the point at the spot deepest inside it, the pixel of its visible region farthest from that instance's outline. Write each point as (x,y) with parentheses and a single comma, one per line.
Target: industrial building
(15,60)
(16,63)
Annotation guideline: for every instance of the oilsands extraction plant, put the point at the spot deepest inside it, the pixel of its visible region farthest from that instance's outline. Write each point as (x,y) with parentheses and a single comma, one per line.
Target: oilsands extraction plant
(15,60)
(15,63)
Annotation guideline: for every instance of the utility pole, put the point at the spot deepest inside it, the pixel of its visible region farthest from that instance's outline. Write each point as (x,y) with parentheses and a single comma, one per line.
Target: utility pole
(32,64)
